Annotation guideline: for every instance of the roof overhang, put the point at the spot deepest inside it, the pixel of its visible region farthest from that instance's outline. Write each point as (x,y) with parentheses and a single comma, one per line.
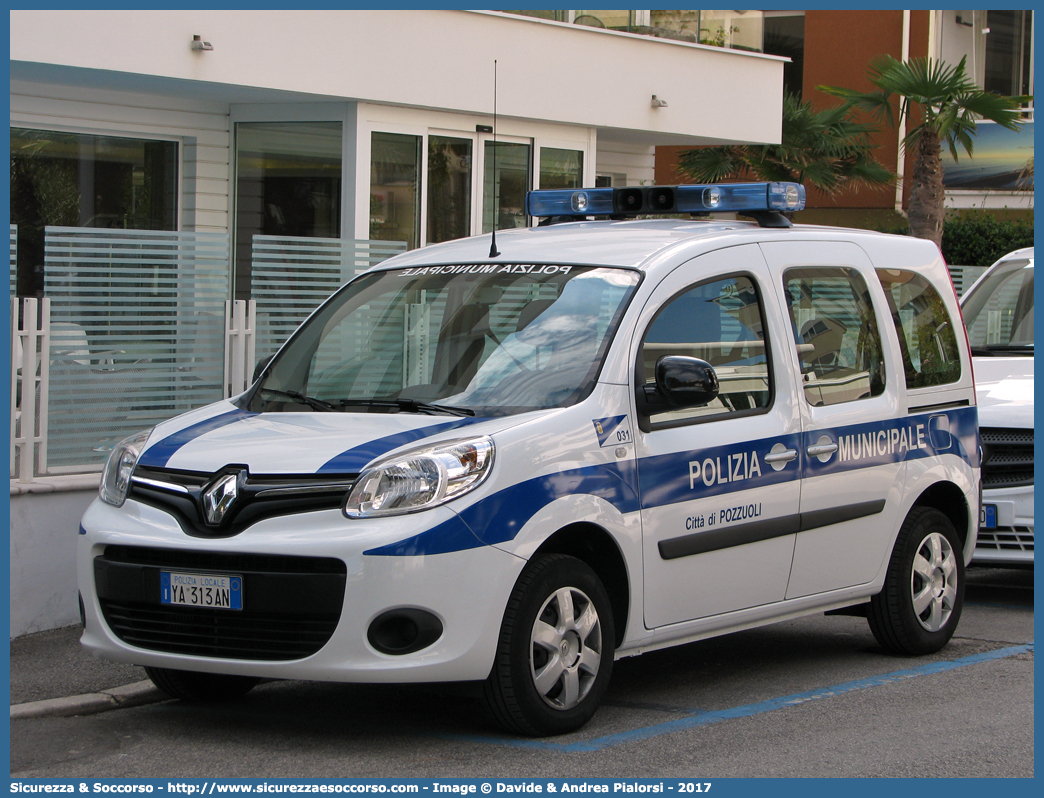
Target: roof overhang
(438,59)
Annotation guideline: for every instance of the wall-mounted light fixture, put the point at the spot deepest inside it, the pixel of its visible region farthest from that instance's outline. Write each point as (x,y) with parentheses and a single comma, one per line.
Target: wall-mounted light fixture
(658,103)
(199,44)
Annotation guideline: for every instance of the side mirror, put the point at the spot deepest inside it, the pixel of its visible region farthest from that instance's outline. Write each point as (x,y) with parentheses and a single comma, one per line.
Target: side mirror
(685,381)
(262,364)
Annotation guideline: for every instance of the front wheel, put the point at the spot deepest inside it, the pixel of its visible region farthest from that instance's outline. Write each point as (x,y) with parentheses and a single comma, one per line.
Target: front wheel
(200,688)
(920,605)
(555,652)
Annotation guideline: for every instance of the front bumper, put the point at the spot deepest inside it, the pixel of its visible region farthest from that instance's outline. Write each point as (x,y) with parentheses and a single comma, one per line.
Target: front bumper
(1011,541)
(310,595)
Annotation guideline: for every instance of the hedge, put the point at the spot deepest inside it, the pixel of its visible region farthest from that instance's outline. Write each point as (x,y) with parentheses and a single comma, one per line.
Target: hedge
(979,239)
(976,238)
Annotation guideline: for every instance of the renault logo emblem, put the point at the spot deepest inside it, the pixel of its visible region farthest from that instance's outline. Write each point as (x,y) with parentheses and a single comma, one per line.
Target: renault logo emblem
(219,497)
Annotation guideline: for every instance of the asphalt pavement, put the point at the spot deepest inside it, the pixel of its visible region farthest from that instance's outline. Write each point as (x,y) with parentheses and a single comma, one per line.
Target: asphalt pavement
(52,675)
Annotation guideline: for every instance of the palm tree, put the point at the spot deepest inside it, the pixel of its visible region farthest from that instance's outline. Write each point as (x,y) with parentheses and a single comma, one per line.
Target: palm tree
(942,103)
(826,148)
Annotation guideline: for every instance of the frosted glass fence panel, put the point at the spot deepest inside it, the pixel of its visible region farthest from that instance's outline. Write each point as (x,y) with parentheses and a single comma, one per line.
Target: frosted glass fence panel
(291,276)
(137,334)
(964,277)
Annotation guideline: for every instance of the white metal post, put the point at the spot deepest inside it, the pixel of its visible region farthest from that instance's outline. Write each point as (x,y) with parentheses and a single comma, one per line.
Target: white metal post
(226,377)
(44,336)
(31,400)
(250,341)
(16,368)
(240,346)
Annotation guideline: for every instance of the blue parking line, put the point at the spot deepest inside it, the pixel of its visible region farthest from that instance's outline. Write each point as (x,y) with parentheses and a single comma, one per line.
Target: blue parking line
(702,718)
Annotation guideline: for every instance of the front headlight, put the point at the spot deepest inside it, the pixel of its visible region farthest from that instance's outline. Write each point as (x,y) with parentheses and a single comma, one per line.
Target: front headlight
(116,477)
(420,479)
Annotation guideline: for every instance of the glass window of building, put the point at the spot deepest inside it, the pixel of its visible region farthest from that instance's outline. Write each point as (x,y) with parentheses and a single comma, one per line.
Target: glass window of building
(680,24)
(559,15)
(449,188)
(395,163)
(288,183)
(740,30)
(1009,53)
(612,19)
(507,176)
(81,180)
(562,169)
(785,35)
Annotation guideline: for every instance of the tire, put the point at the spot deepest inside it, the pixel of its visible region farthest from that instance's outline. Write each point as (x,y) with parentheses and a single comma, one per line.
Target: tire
(917,611)
(552,665)
(201,688)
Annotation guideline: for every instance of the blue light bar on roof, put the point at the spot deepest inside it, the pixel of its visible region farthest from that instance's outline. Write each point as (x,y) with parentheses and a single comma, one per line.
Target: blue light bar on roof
(570,202)
(708,198)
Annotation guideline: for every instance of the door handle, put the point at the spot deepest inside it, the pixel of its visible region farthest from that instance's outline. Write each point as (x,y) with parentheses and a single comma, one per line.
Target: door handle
(780,457)
(821,448)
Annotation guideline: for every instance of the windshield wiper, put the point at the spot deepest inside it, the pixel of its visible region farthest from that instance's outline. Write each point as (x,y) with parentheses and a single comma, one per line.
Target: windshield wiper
(409,405)
(311,401)
(1002,349)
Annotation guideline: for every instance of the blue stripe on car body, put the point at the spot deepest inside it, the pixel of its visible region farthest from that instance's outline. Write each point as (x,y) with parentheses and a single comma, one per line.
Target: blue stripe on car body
(357,458)
(667,479)
(499,517)
(159,454)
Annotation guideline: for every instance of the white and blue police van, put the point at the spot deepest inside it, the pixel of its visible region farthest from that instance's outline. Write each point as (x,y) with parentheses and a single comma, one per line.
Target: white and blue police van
(603,435)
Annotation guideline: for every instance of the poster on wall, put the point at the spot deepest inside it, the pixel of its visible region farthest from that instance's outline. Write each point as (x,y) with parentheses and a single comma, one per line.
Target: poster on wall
(1002,161)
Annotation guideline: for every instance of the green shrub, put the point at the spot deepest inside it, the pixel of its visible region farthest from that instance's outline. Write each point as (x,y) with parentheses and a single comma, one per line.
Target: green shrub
(979,239)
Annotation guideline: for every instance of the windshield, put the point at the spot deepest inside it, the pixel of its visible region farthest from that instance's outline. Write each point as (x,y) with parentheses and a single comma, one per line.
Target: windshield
(999,310)
(482,340)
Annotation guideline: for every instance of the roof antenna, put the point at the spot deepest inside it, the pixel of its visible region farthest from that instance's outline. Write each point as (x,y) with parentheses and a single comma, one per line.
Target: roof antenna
(493,251)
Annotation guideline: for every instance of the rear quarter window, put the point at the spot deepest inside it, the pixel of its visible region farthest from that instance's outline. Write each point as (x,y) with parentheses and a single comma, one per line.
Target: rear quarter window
(926,332)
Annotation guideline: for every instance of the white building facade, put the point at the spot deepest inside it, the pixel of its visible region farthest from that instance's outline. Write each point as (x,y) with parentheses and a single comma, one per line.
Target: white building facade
(233,130)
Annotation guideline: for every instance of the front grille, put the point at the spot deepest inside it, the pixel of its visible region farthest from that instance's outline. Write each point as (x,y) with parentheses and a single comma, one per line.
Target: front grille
(261,496)
(291,605)
(1019,538)
(1007,460)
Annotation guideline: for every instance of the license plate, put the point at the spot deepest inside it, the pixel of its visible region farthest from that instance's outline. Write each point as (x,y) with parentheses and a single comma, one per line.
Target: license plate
(988,518)
(209,591)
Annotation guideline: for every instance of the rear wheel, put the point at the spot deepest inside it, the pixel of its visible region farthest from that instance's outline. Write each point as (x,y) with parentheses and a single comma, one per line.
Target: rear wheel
(201,688)
(920,605)
(555,652)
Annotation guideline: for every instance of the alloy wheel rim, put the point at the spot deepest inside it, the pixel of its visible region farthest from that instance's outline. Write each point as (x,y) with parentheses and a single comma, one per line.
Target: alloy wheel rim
(933,582)
(565,648)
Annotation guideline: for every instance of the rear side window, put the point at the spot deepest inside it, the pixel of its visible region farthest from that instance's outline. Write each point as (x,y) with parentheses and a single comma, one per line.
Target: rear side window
(835,329)
(926,331)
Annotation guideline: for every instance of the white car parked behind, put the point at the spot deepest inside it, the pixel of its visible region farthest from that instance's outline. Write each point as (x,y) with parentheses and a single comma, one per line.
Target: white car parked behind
(998,311)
